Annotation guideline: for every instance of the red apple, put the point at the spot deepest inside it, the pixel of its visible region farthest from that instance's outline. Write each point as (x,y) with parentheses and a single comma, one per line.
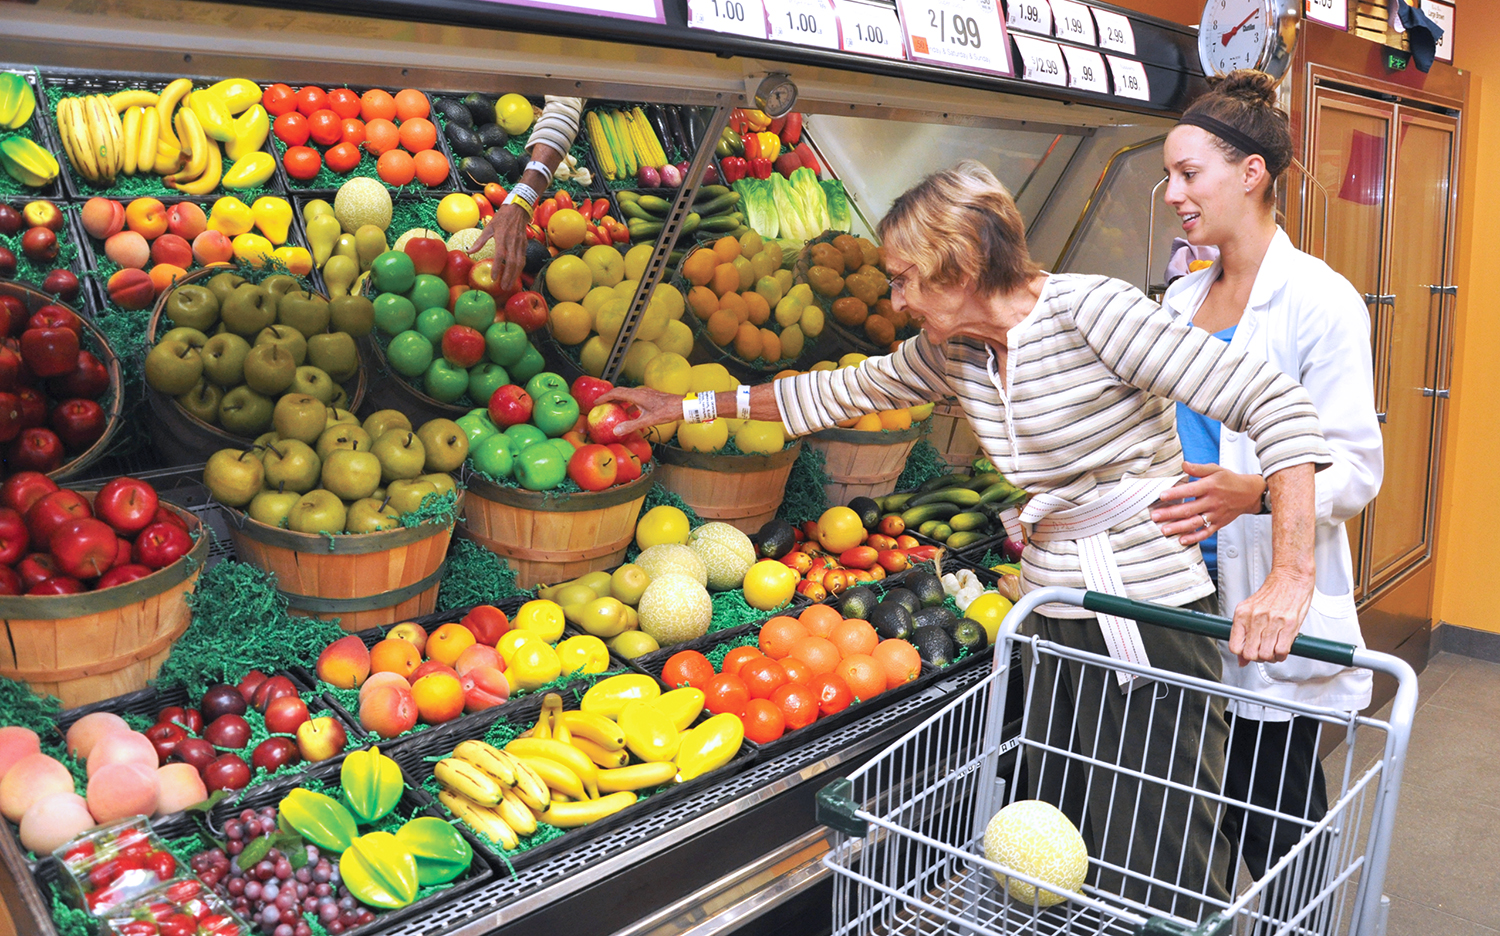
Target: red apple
(165,736)
(190,719)
(229,772)
(285,714)
(25,488)
(120,574)
(163,515)
(577,438)
(15,314)
(50,352)
(12,368)
(228,731)
(197,752)
(220,700)
(274,753)
(527,309)
(14,537)
(627,463)
(587,391)
(250,683)
(84,549)
(593,467)
(88,381)
(7,263)
(487,623)
(54,511)
(53,315)
(510,405)
(36,568)
(161,544)
(482,278)
(456,268)
(58,585)
(63,284)
(43,214)
(463,346)
(428,255)
(39,245)
(11,221)
(10,582)
(11,414)
(33,408)
(318,739)
(604,422)
(79,423)
(127,504)
(277,687)
(35,450)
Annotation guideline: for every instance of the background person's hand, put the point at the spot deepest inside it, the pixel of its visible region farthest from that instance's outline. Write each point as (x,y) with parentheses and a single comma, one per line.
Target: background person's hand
(655,407)
(1267,621)
(507,228)
(1221,495)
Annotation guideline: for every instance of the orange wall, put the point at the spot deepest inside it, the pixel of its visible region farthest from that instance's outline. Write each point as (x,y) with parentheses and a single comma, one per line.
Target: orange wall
(1179,11)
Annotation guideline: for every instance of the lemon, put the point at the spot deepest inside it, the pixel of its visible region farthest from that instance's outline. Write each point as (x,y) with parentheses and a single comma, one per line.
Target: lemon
(641,354)
(678,339)
(664,524)
(456,212)
(812,321)
(712,377)
(988,610)
(669,372)
(597,297)
(636,260)
(756,437)
(704,437)
(634,643)
(839,529)
(570,323)
(593,356)
(569,279)
(851,359)
(610,318)
(514,114)
(770,583)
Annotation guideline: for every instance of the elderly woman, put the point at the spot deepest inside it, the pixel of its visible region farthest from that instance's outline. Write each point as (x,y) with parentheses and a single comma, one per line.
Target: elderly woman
(1068,382)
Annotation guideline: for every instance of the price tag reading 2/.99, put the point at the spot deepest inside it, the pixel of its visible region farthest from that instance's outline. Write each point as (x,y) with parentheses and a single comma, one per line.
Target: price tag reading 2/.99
(1030,15)
(1074,24)
(803,22)
(870,29)
(1086,71)
(740,17)
(1130,78)
(1041,61)
(960,33)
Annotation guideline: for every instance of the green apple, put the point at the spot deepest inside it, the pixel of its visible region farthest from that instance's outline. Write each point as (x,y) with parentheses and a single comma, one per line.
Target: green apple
(443,482)
(406,496)
(401,454)
(352,315)
(494,455)
(445,382)
(540,467)
(193,337)
(223,285)
(269,369)
(247,310)
(286,336)
(394,314)
(476,425)
(506,343)
(307,314)
(445,444)
(299,416)
(342,436)
(351,475)
(313,382)
(539,384)
(484,379)
(476,309)
(245,412)
(339,415)
(530,364)
(524,435)
(292,466)
(173,367)
(393,272)
(409,353)
(317,511)
(193,306)
(335,354)
(203,400)
(428,292)
(233,476)
(370,515)
(378,422)
(224,359)
(554,411)
(272,507)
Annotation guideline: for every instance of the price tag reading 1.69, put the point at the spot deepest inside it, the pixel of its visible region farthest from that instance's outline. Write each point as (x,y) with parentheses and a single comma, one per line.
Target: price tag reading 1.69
(959,33)
(803,22)
(1130,78)
(740,17)
(870,29)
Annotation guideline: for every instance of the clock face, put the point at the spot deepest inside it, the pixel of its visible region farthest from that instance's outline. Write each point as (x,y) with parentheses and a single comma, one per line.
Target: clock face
(777,95)
(1234,34)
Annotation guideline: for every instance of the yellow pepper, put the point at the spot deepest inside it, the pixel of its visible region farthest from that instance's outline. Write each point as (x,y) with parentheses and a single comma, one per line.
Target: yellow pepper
(273,216)
(681,706)
(770,145)
(757,120)
(213,113)
(253,249)
(649,733)
(238,94)
(322,234)
(296,259)
(709,746)
(541,617)
(250,131)
(608,697)
(583,654)
(230,217)
(249,171)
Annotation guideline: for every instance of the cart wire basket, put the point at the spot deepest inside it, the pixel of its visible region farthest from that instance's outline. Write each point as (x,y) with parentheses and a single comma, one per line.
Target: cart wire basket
(909,857)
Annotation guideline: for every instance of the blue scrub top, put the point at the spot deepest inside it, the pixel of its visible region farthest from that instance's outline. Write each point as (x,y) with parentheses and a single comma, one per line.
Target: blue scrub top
(1200,445)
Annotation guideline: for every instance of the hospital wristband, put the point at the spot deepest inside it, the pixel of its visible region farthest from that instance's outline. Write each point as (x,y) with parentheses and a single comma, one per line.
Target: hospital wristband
(536,165)
(742,402)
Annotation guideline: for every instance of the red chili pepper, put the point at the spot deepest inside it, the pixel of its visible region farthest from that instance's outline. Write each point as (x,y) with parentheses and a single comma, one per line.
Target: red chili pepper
(586,207)
(791,133)
(563,200)
(601,209)
(735,168)
(545,211)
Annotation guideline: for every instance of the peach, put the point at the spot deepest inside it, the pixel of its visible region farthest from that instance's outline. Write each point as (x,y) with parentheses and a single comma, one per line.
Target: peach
(430,667)
(173,249)
(163,275)
(28,780)
(128,249)
(83,733)
(477,655)
(102,217)
(388,711)
(180,786)
(15,743)
(147,217)
(55,820)
(411,632)
(377,680)
(447,642)
(123,789)
(212,247)
(186,220)
(345,663)
(484,687)
(394,656)
(132,289)
(122,747)
(439,697)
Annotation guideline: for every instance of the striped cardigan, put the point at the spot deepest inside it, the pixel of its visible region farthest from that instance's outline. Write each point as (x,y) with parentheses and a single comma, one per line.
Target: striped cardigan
(1092,373)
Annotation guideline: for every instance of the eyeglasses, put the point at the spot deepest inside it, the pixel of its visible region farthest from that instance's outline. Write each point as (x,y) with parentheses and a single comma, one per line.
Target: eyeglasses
(898,282)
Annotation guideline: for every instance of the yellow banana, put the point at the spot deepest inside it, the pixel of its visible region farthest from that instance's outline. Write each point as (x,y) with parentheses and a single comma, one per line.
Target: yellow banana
(116,128)
(565,754)
(467,780)
(530,786)
(591,726)
(636,777)
(489,759)
(486,822)
(515,813)
(195,143)
(573,815)
(132,148)
(123,100)
(558,778)
(145,158)
(171,96)
(168,157)
(599,755)
(210,179)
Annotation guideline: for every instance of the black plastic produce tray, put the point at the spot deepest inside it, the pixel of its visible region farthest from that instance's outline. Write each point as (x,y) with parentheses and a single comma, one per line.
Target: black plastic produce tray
(39,130)
(87,301)
(582,151)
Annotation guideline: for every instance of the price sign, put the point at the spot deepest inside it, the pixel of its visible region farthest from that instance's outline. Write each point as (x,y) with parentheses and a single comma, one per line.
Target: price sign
(1041,61)
(649,11)
(1442,15)
(740,17)
(1333,13)
(959,33)
(1115,32)
(803,22)
(1129,78)
(1029,15)
(870,29)
(1086,70)
(1073,22)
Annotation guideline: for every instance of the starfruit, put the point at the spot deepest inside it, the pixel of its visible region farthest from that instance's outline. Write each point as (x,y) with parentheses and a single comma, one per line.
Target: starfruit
(249,170)
(609,696)
(320,819)
(583,654)
(649,733)
(26,162)
(273,216)
(372,784)
(17,101)
(709,746)
(379,872)
(250,131)
(441,853)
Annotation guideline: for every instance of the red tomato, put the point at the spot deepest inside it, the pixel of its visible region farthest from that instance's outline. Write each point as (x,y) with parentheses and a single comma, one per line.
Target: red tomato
(342,157)
(278,99)
(291,129)
(726,693)
(832,691)
(763,721)
(763,676)
(798,704)
(564,200)
(301,162)
(344,102)
(687,668)
(325,127)
(311,99)
(354,131)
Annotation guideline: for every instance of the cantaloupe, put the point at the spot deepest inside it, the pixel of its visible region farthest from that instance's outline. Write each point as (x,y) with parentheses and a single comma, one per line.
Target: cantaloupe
(667,558)
(401,241)
(463,240)
(1036,839)
(674,608)
(727,554)
(362,201)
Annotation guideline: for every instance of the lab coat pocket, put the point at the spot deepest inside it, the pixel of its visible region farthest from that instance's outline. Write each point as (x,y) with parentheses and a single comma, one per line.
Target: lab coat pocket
(1331,617)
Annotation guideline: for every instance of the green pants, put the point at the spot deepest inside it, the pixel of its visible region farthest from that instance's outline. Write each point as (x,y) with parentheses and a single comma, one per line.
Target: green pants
(1159,835)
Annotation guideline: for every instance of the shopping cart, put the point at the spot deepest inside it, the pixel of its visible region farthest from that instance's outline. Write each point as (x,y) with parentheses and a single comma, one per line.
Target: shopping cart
(909,856)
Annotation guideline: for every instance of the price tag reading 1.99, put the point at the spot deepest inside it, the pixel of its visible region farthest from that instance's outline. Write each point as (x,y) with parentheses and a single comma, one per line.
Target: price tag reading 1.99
(870,29)
(803,22)
(740,17)
(960,33)
(1029,15)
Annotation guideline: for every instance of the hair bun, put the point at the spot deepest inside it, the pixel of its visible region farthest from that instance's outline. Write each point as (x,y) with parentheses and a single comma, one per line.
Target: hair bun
(1248,85)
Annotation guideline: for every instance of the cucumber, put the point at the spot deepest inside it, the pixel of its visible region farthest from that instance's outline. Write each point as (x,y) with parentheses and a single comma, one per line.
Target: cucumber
(674,258)
(927,528)
(962,496)
(718,205)
(984,479)
(691,223)
(964,538)
(643,230)
(942,481)
(969,520)
(1000,492)
(626,195)
(740,231)
(916,516)
(657,206)
(711,192)
(723,223)
(941,532)
(894,503)
(634,211)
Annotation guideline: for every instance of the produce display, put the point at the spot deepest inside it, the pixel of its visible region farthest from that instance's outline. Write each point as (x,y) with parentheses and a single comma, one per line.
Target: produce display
(736,288)
(848,279)
(590,298)
(324,137)
(36,248)
(957,510)
(488,136)
(27,164)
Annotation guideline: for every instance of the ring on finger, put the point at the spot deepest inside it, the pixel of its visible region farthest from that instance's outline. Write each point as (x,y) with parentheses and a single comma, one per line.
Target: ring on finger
(1207,523)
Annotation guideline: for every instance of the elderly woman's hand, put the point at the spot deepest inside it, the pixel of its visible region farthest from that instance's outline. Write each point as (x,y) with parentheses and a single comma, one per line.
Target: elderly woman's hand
(655,407)
(1267,621)
(507,228)
(1220,495)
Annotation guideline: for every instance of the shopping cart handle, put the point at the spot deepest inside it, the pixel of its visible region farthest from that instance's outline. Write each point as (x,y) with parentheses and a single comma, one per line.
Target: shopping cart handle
(1313,648)
(834,807)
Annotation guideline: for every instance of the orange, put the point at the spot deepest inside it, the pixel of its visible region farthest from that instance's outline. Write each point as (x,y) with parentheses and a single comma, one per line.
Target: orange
(895,419)
(900,661)
(432,168)
(394,656)
(396,167)
(726,280)
(439,697)
(736,658)
(417,134)
(833,693)
(798,704)
(411,103)
(727,249)
(734,304)
(779,634)
(819,653)
(855,637)
(699,267)
(820,620)
(723,327)
(797,671)
(864,674)
(687,668)
(763,721)
(377,105)
(381,136)
(726,693)
(763,677)
(702,300)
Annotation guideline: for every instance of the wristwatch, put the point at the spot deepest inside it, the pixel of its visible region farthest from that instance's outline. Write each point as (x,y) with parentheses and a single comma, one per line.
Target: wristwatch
(1265,500)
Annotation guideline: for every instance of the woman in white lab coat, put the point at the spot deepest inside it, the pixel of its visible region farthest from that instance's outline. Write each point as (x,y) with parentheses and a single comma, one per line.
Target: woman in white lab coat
(1270,301)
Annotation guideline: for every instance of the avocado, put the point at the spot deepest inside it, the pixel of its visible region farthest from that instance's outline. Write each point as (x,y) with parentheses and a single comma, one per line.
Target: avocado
(463,141)
(927,587)
(537,256)
(774,540)
(904,598)
(868,511)
(505,162)
(492,134)
(892,621)
(481,107)
(936,617)
(858,602)
(477,171)
(934,645)
(455,114)
(968,634)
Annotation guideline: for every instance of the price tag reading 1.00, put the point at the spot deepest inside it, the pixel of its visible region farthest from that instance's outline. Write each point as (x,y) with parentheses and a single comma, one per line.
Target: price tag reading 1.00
(740,17)
(803,22)
(1086,70)
(870,29)
(1041,61)
(1115,32)
(1130,78)
(1029,15)
(1074,23)
(959,33)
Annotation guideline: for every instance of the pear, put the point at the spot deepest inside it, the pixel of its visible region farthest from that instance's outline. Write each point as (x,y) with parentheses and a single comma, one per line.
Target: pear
(628,583)
(233,476)
(401,455)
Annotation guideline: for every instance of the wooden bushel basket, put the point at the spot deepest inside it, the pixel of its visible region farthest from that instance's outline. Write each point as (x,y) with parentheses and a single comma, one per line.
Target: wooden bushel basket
(952,436)
(863,464)
(363,579)
(96,645)
(554,538)
(743,491)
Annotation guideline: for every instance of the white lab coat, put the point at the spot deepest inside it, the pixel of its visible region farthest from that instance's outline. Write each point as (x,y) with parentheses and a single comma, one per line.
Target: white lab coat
(1310,322)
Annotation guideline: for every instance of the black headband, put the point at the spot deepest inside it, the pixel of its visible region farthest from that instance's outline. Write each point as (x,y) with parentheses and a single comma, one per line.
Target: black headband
(1237,138)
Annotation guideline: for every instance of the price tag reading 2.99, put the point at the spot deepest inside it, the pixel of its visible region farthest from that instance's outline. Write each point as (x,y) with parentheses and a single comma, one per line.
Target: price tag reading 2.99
(960,33)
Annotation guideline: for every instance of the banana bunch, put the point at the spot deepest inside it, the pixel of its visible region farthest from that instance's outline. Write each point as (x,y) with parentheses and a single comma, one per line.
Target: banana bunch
(498,795)
(624,141)
(93,136)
